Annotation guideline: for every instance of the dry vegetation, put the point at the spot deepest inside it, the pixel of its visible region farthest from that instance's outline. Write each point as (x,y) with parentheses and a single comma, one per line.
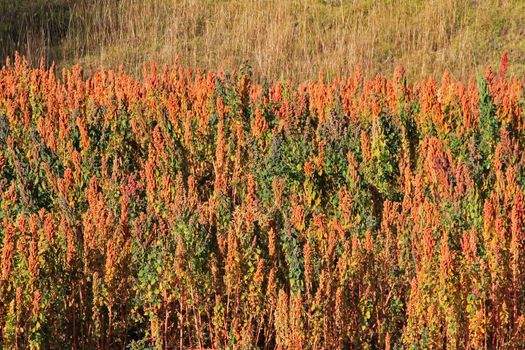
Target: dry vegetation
(293,39)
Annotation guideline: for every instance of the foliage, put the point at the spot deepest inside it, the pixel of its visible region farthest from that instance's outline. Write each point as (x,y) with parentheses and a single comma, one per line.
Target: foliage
(192,209)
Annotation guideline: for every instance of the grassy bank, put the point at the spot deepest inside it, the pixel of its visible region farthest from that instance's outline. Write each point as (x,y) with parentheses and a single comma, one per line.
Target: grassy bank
(294,39)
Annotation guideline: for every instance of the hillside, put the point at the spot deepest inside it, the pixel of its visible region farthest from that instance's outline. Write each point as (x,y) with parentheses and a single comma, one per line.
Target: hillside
(291,39)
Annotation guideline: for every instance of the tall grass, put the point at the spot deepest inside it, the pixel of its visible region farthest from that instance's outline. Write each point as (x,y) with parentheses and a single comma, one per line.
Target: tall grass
(295,39)
(33,27)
